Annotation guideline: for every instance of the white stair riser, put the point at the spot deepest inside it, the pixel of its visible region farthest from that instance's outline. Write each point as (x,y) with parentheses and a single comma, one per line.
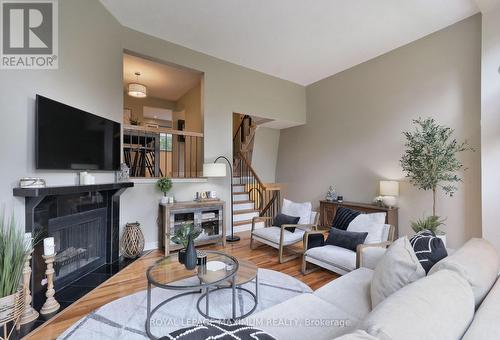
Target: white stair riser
(241,180)
(238,188)
(242,206)
(243,217)
(247,227)
(240,197)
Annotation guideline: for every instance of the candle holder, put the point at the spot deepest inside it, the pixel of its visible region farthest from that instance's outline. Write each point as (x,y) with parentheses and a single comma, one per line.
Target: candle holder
(51,305)
(29,314)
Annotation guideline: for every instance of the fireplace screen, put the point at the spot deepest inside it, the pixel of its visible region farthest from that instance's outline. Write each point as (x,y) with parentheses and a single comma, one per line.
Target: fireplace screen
(80,244)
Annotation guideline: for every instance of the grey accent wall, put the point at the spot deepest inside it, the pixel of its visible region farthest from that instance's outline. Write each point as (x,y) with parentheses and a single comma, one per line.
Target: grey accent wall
(353,137)
(490,126)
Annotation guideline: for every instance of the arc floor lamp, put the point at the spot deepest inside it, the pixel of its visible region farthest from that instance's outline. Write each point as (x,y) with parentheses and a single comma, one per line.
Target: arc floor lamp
(219,170)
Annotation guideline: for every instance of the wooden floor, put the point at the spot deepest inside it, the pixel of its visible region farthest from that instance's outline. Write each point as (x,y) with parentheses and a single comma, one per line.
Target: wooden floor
(133,279)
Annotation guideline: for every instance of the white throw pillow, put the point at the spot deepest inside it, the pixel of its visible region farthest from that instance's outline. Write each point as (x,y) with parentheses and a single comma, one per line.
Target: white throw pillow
(437,307)
(362,223)
(302,210)
(398,267)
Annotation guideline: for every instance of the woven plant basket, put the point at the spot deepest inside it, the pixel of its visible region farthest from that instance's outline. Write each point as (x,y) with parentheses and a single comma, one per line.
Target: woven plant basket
(12,306)
(132,242)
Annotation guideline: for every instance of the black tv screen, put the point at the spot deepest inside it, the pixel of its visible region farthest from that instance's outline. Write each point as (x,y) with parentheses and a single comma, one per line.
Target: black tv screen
(71,139)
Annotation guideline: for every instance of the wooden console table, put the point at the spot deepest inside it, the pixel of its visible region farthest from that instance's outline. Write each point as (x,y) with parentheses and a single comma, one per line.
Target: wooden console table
(328,210)
(209,216)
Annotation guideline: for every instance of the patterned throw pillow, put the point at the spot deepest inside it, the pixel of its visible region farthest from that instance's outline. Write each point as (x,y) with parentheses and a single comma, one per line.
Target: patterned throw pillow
(219,330)
(429,248)
(344,216)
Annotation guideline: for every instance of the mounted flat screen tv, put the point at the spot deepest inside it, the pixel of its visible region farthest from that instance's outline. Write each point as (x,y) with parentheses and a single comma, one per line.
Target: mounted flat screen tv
(71,139)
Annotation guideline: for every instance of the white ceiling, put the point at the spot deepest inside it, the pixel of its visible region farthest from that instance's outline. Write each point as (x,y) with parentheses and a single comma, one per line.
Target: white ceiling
(163,81)
(299,40)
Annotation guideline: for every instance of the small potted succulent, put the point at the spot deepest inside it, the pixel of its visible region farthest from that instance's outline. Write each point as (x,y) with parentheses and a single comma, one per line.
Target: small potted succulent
(164,184)
(185,236)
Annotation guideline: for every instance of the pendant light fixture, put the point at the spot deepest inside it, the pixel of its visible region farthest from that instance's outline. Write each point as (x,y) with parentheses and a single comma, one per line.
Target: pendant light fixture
(136,89)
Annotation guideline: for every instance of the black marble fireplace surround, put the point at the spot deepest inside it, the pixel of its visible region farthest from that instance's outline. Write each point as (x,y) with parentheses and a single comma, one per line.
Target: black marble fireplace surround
(84,220)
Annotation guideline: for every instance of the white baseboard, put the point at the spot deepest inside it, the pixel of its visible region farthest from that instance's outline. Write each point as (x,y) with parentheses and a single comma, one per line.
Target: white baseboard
(151,245)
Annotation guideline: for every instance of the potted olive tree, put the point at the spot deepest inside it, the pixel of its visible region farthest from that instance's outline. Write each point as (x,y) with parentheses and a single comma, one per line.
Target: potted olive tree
(14,249)
(185,236)
(164,184)
(431,162)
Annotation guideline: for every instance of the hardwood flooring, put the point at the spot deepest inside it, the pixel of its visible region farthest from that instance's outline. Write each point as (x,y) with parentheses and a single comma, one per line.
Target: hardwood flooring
(133,279)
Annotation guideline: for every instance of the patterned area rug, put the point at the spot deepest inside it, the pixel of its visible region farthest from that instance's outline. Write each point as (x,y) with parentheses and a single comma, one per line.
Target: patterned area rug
(125,318)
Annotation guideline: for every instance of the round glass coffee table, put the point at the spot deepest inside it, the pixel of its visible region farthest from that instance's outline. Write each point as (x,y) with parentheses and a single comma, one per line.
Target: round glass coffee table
(168,273)
(247,272)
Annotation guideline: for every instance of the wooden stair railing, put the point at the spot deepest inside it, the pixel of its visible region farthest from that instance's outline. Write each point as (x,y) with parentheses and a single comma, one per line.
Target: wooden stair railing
(265,197)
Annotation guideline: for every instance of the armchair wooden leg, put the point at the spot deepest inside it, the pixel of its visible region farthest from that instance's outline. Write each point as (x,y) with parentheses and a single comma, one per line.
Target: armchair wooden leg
(254,244)
(304,269)
(283,258)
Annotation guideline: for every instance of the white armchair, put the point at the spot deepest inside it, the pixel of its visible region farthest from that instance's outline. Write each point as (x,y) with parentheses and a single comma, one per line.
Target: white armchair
(281,238)
(341,260)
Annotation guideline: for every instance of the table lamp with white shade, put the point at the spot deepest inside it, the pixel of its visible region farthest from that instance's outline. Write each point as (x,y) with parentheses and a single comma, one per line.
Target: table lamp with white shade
(219,170)
(389,190)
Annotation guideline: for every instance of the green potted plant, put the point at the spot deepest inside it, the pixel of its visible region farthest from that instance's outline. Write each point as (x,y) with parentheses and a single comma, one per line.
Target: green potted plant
(13,253)
(431,162)
(164,184)
(185,236)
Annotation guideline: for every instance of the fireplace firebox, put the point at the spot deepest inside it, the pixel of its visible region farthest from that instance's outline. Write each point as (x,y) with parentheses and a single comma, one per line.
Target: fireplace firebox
(84,221)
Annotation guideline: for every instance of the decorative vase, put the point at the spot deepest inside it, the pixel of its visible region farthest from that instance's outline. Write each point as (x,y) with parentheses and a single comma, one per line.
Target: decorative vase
(182,255)
(164,200)
(191,258)
(132,242)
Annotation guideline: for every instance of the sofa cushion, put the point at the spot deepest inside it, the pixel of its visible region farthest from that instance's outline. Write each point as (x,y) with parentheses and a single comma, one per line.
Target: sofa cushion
(485,324)
(437,307)
(336,256)
(273,234)
(281,219)
(303,317)
(302,210)
(345,239)
(344,216)
(398,267)
(350,292)
(477,261)
(428,248)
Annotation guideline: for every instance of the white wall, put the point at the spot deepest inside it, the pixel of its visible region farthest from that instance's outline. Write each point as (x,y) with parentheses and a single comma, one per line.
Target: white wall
(265,153)
(490,125)
(90,77)
(353,136)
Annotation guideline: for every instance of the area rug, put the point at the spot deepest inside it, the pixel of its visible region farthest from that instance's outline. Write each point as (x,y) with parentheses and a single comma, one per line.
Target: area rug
(125,318)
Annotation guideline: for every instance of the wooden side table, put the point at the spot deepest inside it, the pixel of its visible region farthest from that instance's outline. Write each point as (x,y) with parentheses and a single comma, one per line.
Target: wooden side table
(209,216)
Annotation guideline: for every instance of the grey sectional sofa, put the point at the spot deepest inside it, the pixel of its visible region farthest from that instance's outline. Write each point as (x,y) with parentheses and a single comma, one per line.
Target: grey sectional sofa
(459,298)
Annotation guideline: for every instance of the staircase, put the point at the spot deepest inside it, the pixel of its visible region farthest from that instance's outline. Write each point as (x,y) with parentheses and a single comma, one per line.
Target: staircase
(251,197)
